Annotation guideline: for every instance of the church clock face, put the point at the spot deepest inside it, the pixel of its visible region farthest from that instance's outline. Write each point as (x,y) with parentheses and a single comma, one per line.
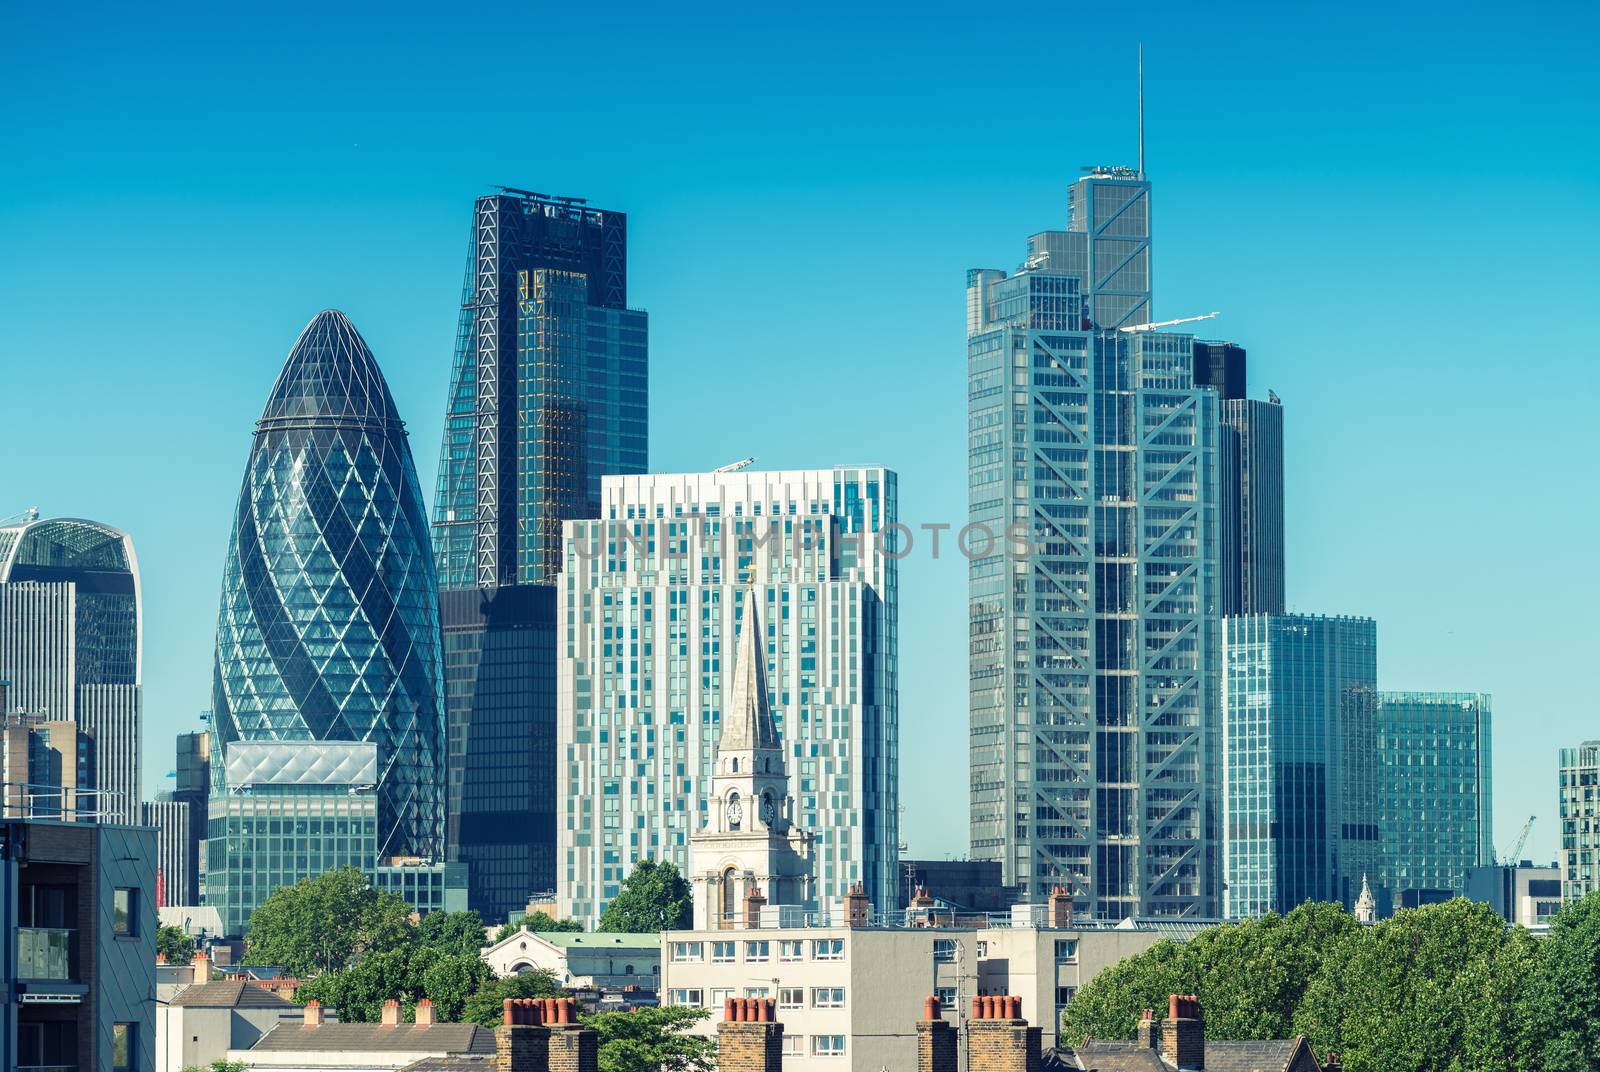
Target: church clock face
(735,811)
(766,810)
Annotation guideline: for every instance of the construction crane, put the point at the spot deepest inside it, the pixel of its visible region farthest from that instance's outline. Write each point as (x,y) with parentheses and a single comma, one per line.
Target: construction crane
(734,467)
(1168,323)
(1522,839)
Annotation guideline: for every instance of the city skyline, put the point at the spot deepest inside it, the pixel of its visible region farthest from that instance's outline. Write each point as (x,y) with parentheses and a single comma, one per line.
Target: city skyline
(1436,637)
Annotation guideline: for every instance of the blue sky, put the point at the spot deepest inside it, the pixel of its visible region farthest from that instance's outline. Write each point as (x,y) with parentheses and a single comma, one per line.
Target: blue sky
(1394,206)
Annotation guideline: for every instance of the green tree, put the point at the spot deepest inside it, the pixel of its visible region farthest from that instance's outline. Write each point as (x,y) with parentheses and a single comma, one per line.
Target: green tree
(321,924)
(653,1040)
(1110,1005)
(218,1066)
(539,921)
(653,898)
(175,945)
(406,974)
(452,932)
(1561,1006)
(487,1005)
(1433,989)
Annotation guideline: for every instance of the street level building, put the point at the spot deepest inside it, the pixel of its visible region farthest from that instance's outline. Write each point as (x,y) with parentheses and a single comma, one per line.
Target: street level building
(1524,894)
(1095,650)
(77,962)
(581,960)
(548,393)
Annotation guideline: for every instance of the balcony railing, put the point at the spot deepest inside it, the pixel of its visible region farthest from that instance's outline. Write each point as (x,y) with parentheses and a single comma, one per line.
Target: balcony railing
(44,953)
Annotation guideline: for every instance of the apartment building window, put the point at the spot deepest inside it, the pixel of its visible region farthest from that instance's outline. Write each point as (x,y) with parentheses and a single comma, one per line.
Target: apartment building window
(827,1045)
(125,912)
(757,952)
(791,949)
(791,997)
(793,1045)
(693,997)
(827,997)
(1066,950)
(983,950)
(756,991)
(124,1047)
(944,950)
(719,998)
(722,952)
(828,949)
(686,951)
(1064,996)
(946,995)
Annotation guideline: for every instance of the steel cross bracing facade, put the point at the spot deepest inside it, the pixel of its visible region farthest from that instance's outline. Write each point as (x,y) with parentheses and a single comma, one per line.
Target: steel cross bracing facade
(1094,652)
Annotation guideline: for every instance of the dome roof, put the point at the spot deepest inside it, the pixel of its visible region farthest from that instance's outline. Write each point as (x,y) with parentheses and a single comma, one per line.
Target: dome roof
(329,378)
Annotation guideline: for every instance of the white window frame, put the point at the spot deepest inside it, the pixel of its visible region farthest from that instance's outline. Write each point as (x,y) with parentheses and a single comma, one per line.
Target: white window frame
(687,952)
(791,950)
(718,956)
(827,949)
(753,956)
(791,997)
(818,1049)
(827,997)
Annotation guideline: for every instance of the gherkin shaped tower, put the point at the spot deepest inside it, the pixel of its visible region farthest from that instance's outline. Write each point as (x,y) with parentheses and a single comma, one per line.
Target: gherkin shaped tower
(329,626)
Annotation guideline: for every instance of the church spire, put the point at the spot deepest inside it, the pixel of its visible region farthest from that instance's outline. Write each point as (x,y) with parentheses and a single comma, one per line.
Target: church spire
(747,724)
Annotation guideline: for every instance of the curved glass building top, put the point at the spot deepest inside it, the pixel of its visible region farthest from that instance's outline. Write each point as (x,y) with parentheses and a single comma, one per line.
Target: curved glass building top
(99,561)
(329,625)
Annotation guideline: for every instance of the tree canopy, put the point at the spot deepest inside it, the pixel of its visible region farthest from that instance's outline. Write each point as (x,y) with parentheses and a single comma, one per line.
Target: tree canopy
(653,1040)
(538,921)
(653,898)
(173,944)
(1443,988)
(321,924)
(485,1007)
(407,974)
(452,932)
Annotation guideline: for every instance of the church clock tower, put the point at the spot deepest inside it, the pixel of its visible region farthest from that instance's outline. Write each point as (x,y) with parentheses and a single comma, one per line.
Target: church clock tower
(749,853)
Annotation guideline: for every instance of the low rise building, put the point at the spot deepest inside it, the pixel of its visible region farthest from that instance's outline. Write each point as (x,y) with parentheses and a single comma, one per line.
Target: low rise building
(78,963)
(1523,894)
(205,1020)
(601,961)
(317,1044)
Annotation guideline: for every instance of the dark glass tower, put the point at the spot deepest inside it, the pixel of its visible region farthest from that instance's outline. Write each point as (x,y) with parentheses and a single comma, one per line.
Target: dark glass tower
(547,394)
(329,626)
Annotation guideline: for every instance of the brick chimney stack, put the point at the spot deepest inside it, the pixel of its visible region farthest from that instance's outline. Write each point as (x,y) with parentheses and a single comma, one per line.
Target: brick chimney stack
(424,1015)
(522,1042)
(857,909)
(754,902)
(1060,908)
(573,1047)
(1183,1035)
(391,1013)
(202,968)
(936,1039)
(313,1017)
(750,1038)
(1149,1036)
(999,1039)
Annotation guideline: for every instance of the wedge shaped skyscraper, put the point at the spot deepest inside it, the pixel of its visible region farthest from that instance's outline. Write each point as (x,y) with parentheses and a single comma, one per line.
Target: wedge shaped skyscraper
(328,673)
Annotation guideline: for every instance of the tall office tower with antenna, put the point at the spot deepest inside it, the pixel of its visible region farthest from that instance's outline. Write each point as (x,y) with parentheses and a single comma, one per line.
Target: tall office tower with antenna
(1095,655)
(547,394)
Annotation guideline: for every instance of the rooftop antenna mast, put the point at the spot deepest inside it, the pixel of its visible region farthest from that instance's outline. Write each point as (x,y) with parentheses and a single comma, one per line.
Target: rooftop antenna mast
(1141,111)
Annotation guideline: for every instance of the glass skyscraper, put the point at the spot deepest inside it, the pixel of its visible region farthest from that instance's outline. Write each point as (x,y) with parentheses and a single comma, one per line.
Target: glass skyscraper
(1094,656)
(1434,793)
(1580,820)
(1299,701)
(548,393)
(71,648)
(327,639)
(649,597)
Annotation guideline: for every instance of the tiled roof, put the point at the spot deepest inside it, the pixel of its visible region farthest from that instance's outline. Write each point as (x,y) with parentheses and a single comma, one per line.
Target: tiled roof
(228,995)
(475,1062)
(378,1038)
(1269,1055)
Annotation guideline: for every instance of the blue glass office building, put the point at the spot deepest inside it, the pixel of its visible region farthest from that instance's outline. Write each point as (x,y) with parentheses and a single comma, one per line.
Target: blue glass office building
(1094,656)
(329,625)
(548,393)
(1299,701)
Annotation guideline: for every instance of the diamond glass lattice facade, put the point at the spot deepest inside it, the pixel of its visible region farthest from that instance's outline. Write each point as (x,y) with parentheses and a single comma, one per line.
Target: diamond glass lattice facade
(329,624)
(1094,656)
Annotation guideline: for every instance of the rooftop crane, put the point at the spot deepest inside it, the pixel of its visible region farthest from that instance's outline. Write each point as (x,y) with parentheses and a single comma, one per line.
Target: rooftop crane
(1522,839)
(1168,323)
(734,467)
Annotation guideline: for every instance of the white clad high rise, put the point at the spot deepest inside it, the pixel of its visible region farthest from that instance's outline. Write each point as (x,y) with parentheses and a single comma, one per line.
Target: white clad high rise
(648,600)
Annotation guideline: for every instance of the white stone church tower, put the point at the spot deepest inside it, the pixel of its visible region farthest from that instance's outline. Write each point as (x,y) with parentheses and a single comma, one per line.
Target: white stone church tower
(749,854)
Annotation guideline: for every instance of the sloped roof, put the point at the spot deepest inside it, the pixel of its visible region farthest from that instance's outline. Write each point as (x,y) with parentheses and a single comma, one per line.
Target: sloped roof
(231,995)
(1222,1055)
(602,940)
(380,1038)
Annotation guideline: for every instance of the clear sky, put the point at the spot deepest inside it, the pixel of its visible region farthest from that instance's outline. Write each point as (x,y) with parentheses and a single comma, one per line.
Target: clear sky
(1394,206)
